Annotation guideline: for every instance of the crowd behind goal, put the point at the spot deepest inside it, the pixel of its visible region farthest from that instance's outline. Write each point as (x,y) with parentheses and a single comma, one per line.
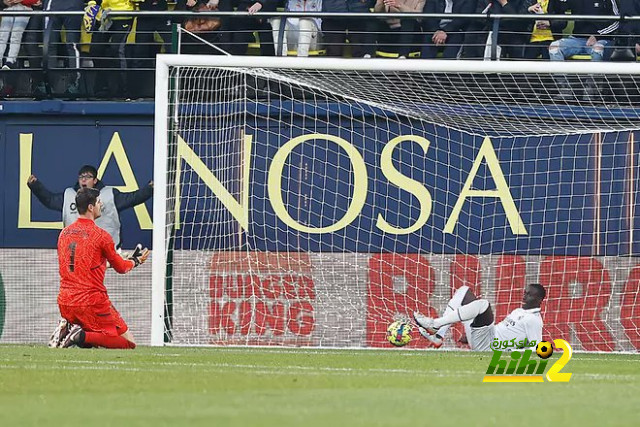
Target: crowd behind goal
(91,54)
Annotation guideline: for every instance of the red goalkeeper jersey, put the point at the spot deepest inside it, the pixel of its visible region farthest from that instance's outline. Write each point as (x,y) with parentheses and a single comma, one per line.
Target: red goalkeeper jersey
(83,251)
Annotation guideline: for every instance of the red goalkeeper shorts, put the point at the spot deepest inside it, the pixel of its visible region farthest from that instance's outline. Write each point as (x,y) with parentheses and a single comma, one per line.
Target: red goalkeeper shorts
(103,318)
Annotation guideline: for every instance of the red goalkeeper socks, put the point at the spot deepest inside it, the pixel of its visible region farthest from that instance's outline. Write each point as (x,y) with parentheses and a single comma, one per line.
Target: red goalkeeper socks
(100,340)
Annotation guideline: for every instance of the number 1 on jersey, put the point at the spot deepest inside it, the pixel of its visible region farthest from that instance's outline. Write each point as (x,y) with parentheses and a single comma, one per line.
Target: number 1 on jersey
(72,257)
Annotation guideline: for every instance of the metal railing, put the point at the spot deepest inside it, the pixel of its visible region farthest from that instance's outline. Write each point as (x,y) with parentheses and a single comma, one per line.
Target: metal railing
(51,74)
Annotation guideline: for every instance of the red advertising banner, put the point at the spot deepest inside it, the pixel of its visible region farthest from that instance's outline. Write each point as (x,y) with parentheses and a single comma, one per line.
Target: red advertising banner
(261,298)
(349,300)
(578,299)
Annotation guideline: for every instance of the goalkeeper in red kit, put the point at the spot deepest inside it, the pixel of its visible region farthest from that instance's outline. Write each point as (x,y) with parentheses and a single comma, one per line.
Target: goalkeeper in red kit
(90,320)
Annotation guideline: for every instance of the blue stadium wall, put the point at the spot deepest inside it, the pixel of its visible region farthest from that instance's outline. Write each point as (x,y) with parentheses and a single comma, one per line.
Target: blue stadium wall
(572,193)
(51,140)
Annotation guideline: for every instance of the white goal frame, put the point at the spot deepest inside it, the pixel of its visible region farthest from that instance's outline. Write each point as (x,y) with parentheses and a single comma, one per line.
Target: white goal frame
(165,61)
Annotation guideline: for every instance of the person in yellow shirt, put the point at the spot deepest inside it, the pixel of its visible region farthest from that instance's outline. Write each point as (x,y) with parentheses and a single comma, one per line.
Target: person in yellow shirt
(108,50)
(543,30)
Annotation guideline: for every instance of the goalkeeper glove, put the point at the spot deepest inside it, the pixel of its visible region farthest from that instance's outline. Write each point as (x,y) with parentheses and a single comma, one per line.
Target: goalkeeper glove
(139,255)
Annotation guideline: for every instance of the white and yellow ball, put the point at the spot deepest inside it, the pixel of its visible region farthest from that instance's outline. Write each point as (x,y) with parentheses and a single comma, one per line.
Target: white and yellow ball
(399,333)
(544,349)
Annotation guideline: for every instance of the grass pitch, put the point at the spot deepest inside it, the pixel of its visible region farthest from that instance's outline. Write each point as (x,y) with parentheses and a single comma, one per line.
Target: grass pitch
(287,387)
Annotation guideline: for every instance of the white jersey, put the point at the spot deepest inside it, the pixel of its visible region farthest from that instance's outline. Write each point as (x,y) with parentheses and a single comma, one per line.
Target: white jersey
(519,325)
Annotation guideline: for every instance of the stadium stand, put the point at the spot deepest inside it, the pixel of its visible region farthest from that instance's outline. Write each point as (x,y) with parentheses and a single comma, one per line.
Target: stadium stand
(111,57)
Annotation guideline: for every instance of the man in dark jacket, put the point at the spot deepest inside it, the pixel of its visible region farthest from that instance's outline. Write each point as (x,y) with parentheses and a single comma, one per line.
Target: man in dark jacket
(445,34)
(589,38)
(113,200)
(629,31)
(32,45)
(145,48)
(626,49)
(513,34)
(71,24)
(361,31)
(237,33)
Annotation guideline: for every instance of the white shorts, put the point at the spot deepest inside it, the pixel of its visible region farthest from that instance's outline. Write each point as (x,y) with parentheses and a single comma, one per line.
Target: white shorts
(482,337)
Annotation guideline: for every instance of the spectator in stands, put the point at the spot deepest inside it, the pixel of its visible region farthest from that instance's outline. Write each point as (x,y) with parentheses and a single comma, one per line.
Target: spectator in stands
(237,33)
(145,47)
(623,89)
(301,33)
(114,201)
(361,32)
(11,30)
(589,38)
(629,31)
(32,42)
(445,35)
(513,34)
(401,32)
(10,80)
(207,28)
(544,31)
(108,49)
(71,25)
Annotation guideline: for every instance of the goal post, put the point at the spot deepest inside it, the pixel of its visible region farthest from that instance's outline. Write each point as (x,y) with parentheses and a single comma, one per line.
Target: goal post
(312,201)
(160,235)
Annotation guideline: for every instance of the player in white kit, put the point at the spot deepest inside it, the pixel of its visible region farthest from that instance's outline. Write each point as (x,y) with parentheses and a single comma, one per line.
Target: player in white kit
(522,324)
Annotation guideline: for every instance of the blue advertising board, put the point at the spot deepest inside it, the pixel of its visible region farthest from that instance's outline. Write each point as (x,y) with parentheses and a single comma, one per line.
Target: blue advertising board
(53,145)
(329,181)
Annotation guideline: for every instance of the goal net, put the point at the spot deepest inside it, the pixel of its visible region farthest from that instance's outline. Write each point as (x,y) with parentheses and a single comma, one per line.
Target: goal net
(311,202)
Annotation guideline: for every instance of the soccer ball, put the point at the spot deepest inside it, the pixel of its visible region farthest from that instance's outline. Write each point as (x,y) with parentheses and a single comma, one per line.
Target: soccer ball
(544,349)
(399,333)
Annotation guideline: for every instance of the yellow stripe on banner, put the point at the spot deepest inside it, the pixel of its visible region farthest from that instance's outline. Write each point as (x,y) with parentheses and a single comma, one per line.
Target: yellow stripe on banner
(512,379)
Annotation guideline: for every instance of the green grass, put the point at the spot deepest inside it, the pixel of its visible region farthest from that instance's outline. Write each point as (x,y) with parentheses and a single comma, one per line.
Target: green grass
(283,387)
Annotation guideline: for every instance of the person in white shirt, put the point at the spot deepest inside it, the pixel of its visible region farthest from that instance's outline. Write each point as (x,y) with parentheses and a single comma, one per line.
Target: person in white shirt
(521,325)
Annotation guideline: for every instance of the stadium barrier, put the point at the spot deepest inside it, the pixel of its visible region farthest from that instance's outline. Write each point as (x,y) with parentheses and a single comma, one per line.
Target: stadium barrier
(46,70)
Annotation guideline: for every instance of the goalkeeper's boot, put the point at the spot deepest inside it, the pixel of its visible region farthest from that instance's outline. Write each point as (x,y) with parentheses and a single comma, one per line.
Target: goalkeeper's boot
(425,323)
(75,337)
(59,334)
(435,340)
